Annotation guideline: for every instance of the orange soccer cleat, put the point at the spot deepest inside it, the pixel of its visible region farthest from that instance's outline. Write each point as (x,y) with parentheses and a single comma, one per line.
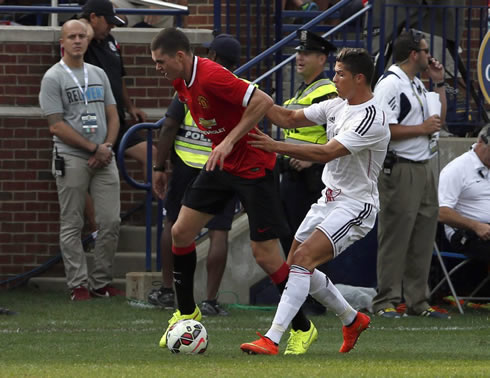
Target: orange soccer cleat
(263,345)
(352,332)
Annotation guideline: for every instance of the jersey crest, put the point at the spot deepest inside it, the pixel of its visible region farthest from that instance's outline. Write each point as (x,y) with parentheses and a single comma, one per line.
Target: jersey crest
(203,102)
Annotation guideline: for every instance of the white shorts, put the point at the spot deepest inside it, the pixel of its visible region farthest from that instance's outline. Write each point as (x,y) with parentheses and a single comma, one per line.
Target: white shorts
(343,221)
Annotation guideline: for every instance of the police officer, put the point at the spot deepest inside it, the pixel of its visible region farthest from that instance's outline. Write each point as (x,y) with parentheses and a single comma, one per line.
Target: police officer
(301,182)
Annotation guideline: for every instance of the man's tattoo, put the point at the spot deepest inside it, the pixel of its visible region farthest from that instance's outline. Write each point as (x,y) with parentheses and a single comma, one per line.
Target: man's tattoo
(55,118)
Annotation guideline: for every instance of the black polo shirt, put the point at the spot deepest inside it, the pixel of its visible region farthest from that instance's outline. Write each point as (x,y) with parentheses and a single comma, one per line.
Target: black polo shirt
(106,54)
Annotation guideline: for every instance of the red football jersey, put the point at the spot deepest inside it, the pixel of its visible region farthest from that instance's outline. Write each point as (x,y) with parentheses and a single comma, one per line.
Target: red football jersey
(217,99)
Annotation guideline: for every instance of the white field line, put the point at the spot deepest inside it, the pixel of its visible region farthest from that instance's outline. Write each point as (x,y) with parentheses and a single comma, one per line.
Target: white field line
(227,329)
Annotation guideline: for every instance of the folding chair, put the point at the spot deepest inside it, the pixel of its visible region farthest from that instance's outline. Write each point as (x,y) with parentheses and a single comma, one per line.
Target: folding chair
(447,276)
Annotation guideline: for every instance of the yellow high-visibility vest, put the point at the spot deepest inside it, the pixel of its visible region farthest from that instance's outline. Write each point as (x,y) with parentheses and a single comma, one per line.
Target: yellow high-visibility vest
(311,134)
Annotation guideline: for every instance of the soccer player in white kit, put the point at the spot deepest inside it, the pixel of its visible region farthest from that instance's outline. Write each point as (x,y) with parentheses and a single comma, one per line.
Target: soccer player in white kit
(358,136)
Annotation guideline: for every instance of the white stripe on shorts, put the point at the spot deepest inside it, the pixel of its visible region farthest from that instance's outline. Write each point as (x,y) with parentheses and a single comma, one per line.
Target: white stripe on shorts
(343,221)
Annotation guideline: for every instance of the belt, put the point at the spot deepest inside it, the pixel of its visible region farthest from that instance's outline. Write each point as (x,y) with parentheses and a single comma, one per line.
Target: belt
(400,159)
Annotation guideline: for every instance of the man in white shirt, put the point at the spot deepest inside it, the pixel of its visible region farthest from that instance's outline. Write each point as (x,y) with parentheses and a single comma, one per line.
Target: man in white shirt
(407,187)
(358,136)
(464,200)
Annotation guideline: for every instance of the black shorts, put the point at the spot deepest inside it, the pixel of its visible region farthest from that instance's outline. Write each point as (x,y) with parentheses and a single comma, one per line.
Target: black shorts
(182,176)
(210,192)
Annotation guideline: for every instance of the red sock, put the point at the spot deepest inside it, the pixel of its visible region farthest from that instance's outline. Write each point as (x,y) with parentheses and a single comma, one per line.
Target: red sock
(280,275)
(183,250)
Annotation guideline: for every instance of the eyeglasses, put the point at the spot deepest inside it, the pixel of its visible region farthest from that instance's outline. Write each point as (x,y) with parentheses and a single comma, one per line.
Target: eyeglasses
(425,50)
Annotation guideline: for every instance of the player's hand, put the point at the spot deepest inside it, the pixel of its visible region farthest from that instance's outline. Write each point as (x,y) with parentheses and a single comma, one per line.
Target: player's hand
(160,181)
(299,165)
(262,141)
(137,114)
(435,70)
(218,155)
(483,231)
(431,125)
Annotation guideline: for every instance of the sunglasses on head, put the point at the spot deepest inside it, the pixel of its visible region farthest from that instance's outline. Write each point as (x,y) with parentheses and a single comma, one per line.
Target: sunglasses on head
(416,37)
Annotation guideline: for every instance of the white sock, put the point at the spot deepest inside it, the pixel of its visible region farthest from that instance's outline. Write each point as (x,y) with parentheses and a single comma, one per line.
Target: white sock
(325,292)
(292,299)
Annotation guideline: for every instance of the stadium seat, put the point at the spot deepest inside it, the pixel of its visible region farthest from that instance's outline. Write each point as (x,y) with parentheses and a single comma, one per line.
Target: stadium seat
(447,277)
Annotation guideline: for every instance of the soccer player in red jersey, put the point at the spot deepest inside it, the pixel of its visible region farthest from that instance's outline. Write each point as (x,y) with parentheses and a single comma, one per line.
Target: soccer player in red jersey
(226,109)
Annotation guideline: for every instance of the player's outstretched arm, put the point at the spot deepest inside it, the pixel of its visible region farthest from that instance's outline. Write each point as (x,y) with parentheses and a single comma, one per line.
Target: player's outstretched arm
(321,153)
(288,119)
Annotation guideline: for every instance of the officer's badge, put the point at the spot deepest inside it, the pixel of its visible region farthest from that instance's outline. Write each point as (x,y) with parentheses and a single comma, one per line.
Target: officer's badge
(304,36)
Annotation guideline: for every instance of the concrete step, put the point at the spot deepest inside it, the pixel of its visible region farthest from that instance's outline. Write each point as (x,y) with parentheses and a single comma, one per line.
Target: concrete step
(241,270)
(133,238)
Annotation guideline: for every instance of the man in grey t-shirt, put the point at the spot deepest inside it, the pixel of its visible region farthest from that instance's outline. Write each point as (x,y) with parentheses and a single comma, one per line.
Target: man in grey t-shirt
(77,100)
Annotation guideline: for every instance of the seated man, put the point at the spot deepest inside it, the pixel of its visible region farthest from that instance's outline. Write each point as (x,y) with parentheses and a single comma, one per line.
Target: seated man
(464,200)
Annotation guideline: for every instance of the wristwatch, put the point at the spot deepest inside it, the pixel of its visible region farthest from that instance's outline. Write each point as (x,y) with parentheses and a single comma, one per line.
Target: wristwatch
(440,84)
(157,168)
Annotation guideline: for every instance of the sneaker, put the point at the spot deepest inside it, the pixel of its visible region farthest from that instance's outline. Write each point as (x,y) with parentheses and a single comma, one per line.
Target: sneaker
(212,308)
(163,297)
(264,345)
(299,341)
(177,316)
(389,312)
(80,293)
(6,311)
(107,291)
(309,7)
(352,332)
(431,312)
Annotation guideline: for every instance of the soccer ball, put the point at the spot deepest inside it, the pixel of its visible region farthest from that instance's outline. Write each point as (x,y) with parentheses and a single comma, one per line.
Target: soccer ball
(188,337)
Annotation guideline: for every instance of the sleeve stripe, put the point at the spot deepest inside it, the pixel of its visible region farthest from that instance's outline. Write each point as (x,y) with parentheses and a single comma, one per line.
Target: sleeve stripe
(367,121)
(248,95)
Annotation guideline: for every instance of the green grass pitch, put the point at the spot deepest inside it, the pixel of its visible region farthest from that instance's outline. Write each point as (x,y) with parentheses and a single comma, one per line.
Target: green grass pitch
(53,337)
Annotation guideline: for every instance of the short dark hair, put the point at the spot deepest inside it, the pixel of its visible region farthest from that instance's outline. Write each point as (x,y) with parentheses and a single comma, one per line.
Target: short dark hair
(407,41)
(171,40)
(484,134)
(357,61)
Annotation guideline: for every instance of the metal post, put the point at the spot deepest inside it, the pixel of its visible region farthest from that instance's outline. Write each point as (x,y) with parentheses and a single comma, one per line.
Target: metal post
(54,16)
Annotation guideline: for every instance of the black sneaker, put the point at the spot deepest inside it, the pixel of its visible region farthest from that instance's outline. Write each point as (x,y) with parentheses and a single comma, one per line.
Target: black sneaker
(163,297)
(6,311)
(212,308)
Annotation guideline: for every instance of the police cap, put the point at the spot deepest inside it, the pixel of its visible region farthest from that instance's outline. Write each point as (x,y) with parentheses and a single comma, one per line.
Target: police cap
(309,41)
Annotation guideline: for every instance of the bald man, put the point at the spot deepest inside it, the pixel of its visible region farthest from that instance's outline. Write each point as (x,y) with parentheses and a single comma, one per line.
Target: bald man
(77,100)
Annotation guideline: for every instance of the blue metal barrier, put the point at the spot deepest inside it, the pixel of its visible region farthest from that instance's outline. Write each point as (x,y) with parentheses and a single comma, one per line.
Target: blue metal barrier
(70,9)
(146,186)
(444,25)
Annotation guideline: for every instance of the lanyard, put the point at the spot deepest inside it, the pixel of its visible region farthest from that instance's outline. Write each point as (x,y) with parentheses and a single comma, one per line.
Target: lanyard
(85,77)
(418,98)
